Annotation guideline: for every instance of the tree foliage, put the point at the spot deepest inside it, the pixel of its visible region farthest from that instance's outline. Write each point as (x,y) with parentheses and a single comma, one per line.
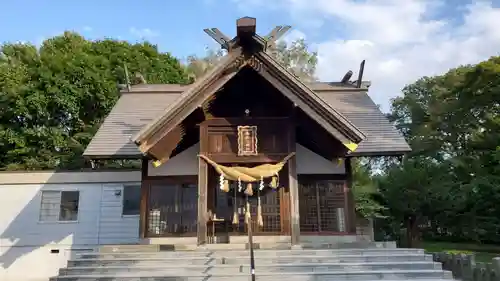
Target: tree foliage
(297,58)
(294,56)
(53,99)
(451,180)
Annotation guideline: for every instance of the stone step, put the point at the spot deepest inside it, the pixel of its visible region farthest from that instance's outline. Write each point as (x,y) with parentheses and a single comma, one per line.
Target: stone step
(235,269)
(258,253)
(288,276)
(244,260)
(243,246)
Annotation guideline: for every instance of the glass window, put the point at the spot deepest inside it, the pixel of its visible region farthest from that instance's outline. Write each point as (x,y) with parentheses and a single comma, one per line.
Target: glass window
(59,206)
(131,200)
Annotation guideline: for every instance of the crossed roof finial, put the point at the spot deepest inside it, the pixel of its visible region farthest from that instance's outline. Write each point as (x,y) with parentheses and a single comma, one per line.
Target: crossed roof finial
(245,30)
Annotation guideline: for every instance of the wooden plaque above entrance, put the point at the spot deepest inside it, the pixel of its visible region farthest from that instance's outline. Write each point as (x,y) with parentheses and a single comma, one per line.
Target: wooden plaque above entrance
(220,139)
(247,140)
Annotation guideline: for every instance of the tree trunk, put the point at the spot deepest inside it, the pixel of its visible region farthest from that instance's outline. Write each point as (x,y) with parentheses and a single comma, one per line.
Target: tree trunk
(411,231)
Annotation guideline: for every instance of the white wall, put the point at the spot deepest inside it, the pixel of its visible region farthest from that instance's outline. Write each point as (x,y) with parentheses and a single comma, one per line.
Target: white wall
(26,243)
(186,163)
(115,228)
(309,162)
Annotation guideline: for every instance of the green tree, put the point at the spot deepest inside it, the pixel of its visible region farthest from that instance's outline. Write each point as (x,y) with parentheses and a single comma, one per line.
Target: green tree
(197,66)
(54,98)
(365,190)
(452,122)
(295,56)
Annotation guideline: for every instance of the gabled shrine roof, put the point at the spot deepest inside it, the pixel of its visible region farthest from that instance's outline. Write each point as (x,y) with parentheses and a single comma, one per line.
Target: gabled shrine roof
(147,102)
(150,115)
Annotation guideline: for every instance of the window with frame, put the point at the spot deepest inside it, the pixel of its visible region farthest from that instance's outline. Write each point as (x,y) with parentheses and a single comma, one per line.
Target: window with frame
(131,200)
(59,206)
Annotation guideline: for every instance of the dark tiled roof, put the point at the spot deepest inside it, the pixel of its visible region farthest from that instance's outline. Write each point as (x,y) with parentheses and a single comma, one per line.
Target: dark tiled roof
(382,138)
(145,103)
(132,111)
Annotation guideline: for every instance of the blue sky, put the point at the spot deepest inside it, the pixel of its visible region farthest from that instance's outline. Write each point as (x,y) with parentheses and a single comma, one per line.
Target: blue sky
(401,40)
(176,26)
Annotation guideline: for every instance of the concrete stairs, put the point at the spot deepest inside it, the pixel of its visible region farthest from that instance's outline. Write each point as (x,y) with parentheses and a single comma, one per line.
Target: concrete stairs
(232,263)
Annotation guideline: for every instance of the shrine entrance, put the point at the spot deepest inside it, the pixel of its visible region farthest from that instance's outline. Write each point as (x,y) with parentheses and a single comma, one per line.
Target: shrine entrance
(227,210)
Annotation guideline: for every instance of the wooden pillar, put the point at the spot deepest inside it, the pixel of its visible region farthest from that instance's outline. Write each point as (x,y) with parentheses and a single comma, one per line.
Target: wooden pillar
(202,188)
(202,201)
(350,203)
(143,218)
(293,185)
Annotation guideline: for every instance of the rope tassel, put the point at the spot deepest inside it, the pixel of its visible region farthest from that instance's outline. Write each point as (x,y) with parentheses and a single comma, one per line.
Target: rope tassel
(224,184)
(247,213)
(240,187)
(275,182)
(249,190)
(260,221)
(236,216)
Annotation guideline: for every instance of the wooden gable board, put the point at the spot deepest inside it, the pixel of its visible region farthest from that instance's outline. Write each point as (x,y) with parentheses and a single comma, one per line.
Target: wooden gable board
(190,98)
(326,116)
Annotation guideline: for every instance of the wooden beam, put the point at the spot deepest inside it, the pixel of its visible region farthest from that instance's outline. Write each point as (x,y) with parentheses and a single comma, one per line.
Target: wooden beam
(305,98)
(246,27)
(346,77)
(181,113)
(306,106)
(202,193)
(293,185)
(165,147)
(350,213)
(191,99)
(276,34)
(360,74)
(144,199)
(219,37)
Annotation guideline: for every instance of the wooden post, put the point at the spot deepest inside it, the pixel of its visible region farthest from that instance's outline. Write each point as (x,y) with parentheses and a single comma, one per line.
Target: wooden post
(202,201)
(202,188)
(143,218)
(294,201)
(293,185)
(351,207)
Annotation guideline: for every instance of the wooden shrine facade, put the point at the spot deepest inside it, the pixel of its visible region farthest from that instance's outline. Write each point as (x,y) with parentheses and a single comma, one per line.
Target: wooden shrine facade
(246,112)
(324,202)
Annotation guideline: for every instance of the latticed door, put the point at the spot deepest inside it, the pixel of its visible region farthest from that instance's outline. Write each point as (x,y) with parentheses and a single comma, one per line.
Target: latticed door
(172,210)
(227,204)
(322,206)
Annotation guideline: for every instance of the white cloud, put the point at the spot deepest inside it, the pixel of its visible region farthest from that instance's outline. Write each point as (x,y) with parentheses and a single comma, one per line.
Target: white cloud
(399,39)
(87,28)
(144,33)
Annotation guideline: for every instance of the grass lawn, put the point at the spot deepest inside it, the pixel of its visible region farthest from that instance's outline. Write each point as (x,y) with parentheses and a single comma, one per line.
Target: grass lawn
(484,253)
